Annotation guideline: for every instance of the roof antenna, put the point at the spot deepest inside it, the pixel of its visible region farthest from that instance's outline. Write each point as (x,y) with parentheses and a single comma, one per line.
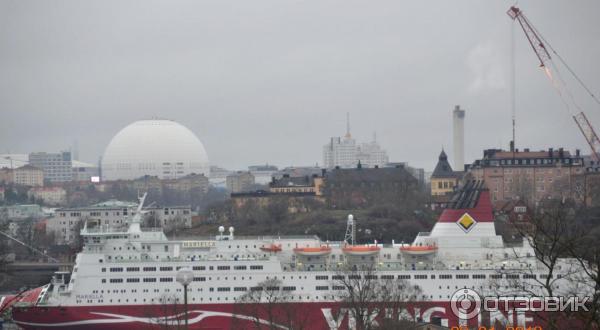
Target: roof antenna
(513,82)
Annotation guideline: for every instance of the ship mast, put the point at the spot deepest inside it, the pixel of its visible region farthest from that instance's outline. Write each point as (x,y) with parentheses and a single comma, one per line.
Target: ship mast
(350,236)
(136,221)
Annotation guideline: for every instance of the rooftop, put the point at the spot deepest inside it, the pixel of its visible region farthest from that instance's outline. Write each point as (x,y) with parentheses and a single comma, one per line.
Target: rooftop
(28,167)
(112,203)
(292,181)
(526,153)
(443,168)
(376,174)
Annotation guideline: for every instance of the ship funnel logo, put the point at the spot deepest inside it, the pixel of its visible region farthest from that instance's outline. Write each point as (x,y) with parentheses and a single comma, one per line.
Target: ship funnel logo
(466,222)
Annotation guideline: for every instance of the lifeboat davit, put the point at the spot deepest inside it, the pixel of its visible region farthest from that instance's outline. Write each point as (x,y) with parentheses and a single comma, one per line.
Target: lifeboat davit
(361,250)
(271,248)
(313,251)
(419,249)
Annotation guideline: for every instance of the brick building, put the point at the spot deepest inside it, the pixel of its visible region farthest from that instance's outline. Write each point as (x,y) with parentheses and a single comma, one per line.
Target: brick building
(28,175)
(531,175)
(364,187)
(302,184)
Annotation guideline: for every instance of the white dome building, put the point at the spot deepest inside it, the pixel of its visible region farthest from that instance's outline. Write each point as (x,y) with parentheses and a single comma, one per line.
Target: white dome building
(160,148)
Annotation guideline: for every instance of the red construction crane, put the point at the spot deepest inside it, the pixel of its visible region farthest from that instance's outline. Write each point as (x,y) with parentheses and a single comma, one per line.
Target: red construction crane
(539,45)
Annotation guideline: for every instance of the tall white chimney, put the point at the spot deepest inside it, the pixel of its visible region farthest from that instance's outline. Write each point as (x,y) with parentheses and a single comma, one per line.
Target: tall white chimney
(458,119)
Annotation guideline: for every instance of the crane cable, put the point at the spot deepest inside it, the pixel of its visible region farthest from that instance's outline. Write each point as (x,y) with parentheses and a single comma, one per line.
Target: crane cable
(589,91)
(29,247)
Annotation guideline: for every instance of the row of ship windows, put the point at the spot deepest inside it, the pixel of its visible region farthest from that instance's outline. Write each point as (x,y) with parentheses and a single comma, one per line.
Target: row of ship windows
(168,299)
(164,279)
(335,277)
(169,268)
(424,277)
(294,288)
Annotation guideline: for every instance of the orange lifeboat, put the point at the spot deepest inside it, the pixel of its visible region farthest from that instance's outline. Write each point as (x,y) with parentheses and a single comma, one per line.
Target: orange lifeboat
(361,250)
(271,248)
(419,249)
(313,251)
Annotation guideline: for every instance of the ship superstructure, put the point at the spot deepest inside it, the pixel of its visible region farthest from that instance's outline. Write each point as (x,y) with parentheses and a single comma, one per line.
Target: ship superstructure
(126,278)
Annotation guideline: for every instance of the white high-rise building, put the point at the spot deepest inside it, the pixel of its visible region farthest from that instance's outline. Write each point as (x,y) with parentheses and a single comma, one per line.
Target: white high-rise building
(345,153)
(57,166)
(370,155)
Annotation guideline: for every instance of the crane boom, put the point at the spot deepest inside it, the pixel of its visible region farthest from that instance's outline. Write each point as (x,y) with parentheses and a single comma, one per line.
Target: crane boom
(588,131)
(534,39)
(539,48)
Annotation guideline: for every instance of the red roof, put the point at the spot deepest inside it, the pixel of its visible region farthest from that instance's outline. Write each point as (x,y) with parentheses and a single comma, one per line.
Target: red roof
(482,212)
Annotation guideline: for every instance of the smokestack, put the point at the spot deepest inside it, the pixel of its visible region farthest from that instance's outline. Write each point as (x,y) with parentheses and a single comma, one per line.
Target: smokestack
(458,118)
(75,153)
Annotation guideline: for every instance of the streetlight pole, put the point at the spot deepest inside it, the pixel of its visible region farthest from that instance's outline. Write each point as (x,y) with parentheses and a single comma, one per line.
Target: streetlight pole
(184,277)
(185,304)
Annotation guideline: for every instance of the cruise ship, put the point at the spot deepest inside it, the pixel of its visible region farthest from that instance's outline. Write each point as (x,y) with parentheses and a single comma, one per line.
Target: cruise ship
(127,278)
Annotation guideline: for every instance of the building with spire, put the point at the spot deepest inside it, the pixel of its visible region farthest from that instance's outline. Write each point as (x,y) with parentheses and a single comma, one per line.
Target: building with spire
(443,178)
(344,152)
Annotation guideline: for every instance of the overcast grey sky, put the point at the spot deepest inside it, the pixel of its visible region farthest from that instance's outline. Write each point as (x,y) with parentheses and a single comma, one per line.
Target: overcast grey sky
(270,81)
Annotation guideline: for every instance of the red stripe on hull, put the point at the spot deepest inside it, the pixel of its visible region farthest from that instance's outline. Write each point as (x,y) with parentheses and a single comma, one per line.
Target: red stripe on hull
(228,316)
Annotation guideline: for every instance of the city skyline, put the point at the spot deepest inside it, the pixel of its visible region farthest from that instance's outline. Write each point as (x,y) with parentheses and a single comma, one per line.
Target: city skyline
(241,82)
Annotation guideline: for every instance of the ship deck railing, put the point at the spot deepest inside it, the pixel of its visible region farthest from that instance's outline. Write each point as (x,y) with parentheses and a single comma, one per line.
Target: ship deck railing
(152,229)
(225,237)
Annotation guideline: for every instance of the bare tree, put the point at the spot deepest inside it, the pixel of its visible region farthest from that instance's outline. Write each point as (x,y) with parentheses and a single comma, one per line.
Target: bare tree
(523,187)
(374,300)
(167,313)
(553,235)
(269,305)
(151,221)
(175,225)
(587,254)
